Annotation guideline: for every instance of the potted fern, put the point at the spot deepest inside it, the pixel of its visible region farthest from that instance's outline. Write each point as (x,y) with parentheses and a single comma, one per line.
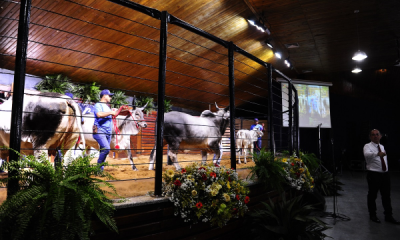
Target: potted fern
(56,203)
(57,83)
(118,99)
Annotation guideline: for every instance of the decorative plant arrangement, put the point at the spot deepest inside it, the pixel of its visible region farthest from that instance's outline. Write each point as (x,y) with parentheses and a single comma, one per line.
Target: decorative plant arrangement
(56,203)
(286,220)
(267,170)
(58,84)
(119,99)
(208,193)
(297,174)
(141,101)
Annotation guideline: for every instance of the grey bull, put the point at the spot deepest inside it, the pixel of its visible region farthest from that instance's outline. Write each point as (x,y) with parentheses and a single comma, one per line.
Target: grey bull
(186,132)
(49,121)
(127,125)
(245,140)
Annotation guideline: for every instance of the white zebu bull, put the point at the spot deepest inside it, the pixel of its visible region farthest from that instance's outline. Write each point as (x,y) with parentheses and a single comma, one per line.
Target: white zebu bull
(49,121)
(245,140)
(127,125)
(186,132)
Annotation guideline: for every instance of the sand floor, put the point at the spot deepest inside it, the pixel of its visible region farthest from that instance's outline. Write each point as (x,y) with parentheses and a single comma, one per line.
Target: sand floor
(138,183)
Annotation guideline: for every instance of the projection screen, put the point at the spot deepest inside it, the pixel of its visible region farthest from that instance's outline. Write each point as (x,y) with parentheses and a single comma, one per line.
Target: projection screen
(314,105)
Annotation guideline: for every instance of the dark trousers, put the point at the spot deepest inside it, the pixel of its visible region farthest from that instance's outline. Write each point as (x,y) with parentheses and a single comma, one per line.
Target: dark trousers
(379,182)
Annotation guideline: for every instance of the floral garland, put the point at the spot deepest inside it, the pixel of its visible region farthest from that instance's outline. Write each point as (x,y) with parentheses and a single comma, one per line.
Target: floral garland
(297,174)
(209,193)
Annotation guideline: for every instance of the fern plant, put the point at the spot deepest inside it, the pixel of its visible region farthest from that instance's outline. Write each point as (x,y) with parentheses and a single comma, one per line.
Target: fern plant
(141,101)
(56,203)
(324,183)
(312,162)
(118,99)
(286,220)
(56,83)
(267,170)
(90,93)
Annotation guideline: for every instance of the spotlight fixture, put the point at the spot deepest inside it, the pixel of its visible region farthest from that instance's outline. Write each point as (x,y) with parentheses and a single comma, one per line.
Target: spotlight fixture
(278,55)
(268,42)
(359,55)
(356,70)
(287,62)
(256,25)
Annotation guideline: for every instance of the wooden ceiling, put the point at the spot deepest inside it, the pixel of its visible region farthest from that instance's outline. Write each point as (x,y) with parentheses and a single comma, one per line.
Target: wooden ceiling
(97,40)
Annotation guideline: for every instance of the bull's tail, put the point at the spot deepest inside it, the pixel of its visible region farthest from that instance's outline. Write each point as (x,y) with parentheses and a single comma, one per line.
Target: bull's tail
(78,122)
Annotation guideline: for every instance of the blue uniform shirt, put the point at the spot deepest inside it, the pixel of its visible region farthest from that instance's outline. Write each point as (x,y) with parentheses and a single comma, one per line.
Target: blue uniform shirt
(257,126)
(104,124)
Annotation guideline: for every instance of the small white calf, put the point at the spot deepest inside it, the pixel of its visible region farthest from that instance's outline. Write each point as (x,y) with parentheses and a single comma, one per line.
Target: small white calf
(245,139)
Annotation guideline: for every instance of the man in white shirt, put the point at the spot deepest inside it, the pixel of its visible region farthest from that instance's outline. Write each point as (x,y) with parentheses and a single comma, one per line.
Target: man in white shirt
(378,177)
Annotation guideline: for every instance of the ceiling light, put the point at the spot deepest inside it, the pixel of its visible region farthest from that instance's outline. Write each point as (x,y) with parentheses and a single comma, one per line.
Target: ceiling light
(287,62)
(356,70)
(259,26)
(278,55)
(359,56)
(269,43)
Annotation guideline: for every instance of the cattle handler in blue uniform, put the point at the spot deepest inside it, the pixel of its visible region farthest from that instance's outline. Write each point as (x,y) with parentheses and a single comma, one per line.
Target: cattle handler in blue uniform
(102,127)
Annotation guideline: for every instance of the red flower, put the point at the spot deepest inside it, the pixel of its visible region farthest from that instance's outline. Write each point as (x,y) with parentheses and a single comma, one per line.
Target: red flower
(199,205)
(298,175)
(229,179)
(177,183)
(204,177)
(202,168)
(237,197)
(213,174)
(216,164)
(246,200)
(183,170)
(292,164)
(235,210)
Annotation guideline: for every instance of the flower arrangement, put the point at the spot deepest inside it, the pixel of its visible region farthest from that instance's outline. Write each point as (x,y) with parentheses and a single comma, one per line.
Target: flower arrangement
(208,193)
(297,173)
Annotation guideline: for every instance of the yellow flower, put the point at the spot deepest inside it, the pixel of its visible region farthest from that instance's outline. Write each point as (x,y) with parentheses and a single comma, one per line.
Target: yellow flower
(284,160)
(216,186)
(301,170)
(214,192)
(227,197)
(312,186)
(189,177)
(297,159)
(170,173)
(194,192)
(228,185)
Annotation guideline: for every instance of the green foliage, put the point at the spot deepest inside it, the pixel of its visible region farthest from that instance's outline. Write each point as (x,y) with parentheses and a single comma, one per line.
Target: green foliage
(56,203)
(286,220)
(119,99)
(267,170)
(90,93)
(325,185)
(167,105)
(141,101)
(56,83)
(310,160)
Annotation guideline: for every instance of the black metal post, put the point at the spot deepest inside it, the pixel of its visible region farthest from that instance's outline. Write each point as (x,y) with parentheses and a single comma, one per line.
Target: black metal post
(270,110)
(290,91)
(232,103)
(160,102)
(18,91)
(296,122)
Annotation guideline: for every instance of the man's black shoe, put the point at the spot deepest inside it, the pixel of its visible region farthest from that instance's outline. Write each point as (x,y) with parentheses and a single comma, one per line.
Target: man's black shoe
(375,219)
(392,220)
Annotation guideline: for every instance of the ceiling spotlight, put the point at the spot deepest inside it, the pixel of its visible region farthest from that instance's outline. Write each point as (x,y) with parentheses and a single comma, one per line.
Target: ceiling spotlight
(359,56)
(356,70)
(287,62)
(278,55)
(269,43)
(259,26)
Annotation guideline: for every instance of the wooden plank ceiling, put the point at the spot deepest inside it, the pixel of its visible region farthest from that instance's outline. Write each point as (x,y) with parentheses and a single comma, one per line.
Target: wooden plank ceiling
(97,40)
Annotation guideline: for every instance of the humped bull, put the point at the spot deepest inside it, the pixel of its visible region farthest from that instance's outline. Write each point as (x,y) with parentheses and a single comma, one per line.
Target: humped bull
(245,140)
(186,132)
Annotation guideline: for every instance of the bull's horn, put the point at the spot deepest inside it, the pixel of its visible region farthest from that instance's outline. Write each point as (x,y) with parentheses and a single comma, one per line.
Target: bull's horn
(216,106)
(142,108)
